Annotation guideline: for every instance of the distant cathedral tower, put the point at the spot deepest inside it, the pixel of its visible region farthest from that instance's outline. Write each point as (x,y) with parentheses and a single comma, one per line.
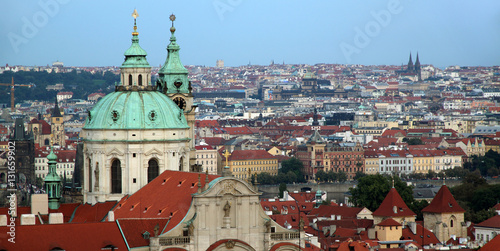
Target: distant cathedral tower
(410,68)
(140,130)
(57,126)
(414,68)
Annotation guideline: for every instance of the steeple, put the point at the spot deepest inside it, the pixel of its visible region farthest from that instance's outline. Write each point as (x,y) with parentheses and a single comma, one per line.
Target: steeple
(417,68)
(411,68)
(56,113)
(315,117)
(173,75)
(53,181)
(135,70)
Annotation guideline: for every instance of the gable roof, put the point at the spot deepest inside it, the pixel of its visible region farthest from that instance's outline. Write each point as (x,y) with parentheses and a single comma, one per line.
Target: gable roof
(133,230)
(78,236)
(443,202)
(250,155)
(493,222)
(393,206)
(168,195)
(389,222)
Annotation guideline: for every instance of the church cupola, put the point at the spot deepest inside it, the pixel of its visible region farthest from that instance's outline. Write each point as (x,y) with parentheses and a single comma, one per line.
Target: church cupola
(53,182)
(135,70)
(173,76)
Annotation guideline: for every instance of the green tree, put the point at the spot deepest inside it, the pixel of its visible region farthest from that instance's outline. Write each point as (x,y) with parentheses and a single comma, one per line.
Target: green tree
(372,189)
(321,176)
(341,177)
(359,175)
(282,189)
(415,141)
(294,165)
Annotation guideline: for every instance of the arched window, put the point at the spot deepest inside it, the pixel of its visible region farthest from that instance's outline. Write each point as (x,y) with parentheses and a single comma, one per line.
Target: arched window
(451,223)
(140,79)
(153,170)
(129,79)
(47,142)
(116,176)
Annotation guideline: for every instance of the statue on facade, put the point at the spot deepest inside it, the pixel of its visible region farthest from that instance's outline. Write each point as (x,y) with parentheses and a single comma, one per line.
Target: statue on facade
(268,226)
(191,229)
(96,174)
(227,209)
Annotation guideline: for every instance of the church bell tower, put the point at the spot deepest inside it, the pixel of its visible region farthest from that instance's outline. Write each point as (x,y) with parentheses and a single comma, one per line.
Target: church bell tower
(173,81)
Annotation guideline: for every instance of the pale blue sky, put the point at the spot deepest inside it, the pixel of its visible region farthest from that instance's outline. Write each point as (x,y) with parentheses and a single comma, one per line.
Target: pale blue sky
(96,33)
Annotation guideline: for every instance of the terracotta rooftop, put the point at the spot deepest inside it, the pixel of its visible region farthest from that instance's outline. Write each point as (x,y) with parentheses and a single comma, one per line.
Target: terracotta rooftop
(78,236)
(493,222)
(168,195)
(393,206)
(443,202)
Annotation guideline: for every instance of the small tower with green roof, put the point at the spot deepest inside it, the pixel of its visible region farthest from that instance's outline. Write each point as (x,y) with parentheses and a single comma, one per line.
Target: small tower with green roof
(53,182)
(135,71)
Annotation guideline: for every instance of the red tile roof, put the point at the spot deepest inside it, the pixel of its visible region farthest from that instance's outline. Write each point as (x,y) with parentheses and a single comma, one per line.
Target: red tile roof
(393,206)
(92,213)
(168,195)
(250,155)
(422,235)
(78,236)
(389,222)
(343,211)
(204,147)
(133,230)
(492,245)
(443,202)
(493,222)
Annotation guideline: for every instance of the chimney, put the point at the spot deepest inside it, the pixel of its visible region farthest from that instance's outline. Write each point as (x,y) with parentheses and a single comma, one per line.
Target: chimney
(413,227)
(28,219)
(333,228)
(39,204)
(111,216)
(56,218)
(3,220)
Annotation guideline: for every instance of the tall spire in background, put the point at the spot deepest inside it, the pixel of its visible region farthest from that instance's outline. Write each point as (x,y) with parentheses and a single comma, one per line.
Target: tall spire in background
(411,68)
(418,69)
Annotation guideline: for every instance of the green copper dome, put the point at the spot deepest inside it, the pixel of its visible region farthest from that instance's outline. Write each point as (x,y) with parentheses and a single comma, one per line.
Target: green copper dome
(136,110)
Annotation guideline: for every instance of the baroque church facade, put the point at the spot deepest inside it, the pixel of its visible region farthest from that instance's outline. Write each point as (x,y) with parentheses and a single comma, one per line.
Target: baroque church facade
(141,129)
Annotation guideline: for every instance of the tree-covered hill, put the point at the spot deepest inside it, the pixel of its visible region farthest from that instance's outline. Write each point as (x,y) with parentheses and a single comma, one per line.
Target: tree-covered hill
(81,83)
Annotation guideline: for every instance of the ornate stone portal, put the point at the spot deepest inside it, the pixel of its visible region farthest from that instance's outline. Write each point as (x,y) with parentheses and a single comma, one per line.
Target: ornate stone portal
(229,209)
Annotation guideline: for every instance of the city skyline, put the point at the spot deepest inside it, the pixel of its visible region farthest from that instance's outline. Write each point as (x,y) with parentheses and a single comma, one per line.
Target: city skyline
(243,32)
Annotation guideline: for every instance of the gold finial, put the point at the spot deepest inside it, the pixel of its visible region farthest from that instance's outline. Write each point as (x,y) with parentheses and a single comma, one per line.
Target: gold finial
(172,18)
(135,15)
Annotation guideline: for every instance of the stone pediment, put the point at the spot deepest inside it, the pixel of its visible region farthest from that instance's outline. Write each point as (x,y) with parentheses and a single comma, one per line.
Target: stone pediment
(231,186)
(115,152)
(153,151)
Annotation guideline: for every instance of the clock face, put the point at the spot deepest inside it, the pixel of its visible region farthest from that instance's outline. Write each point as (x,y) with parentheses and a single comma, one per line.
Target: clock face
(180,102)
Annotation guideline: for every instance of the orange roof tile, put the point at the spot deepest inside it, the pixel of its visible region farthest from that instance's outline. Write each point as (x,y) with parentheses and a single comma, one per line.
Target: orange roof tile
(443,202)
(393,206)
(168,195)
(78,236)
